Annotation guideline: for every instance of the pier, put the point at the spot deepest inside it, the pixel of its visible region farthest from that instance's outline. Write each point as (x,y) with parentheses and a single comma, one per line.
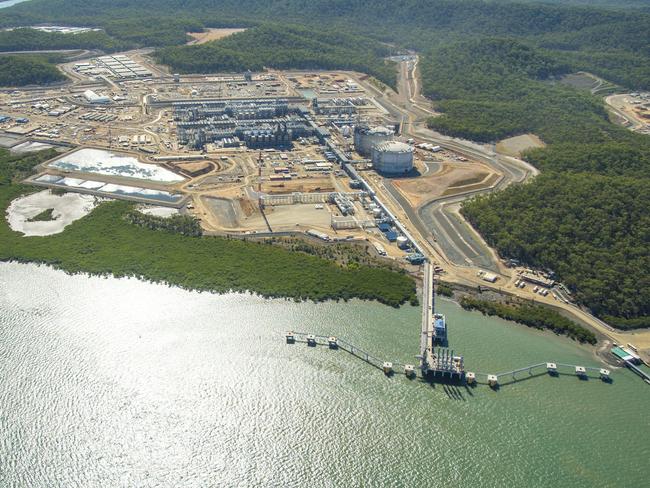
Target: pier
(440,364)
(331,342)
(550,368)
(637,370)
(435,363)
(446,364)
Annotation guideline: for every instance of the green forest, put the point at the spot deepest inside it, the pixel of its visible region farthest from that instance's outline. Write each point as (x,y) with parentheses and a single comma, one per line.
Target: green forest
(30,69)
(592,230)
(282,46)
(107,242)
(531,315)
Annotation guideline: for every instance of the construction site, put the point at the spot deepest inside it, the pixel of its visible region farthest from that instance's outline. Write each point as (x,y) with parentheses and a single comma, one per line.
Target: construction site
(323,155)
(273,153)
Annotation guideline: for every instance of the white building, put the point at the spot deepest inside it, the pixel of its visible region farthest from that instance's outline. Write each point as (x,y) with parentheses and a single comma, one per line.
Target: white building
(92,97)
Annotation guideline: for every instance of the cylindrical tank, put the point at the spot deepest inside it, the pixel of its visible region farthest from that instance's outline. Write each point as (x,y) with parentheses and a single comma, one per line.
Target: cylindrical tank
(366,138)
(392,158)
(402,242)
(376,212)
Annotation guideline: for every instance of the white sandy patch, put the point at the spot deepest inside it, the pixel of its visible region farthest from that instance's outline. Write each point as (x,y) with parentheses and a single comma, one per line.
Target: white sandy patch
(67,208)
(159,211)
(30,146)
(113,164)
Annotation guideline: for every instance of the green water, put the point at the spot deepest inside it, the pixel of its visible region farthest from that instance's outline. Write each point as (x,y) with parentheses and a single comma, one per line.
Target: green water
(121,383)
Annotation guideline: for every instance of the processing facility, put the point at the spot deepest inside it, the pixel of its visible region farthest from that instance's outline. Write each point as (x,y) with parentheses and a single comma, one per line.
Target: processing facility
(262,123)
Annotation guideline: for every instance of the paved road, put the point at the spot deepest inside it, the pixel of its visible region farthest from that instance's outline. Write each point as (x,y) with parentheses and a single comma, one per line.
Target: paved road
(438,220)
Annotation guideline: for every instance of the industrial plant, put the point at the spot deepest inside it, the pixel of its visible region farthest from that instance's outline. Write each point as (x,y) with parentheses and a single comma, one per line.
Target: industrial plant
(246,153)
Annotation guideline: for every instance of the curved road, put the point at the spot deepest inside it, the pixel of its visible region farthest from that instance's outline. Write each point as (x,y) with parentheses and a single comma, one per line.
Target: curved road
(438,220)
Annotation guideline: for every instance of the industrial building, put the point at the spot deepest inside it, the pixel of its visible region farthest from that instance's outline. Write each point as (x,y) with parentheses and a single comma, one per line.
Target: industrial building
(337,106)
(261,123)
(366,138)
(94,98)
(392,158)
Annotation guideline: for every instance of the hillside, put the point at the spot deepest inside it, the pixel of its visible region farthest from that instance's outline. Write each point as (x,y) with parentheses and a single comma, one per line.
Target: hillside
(282,47)
(28,70)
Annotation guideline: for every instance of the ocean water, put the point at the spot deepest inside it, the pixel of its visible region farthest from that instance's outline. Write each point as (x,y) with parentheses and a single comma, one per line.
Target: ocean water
(117,382)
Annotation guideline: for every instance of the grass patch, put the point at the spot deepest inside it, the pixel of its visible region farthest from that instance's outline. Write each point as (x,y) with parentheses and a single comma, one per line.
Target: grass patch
(44,216)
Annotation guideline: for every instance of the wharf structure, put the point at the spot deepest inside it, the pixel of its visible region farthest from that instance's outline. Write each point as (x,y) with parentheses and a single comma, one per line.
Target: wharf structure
(436,363)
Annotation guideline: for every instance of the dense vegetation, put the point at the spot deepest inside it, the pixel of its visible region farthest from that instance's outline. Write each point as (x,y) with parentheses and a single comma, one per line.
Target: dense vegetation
(493,88)
(20,70)
(531,315)
(594,231)
(44,216)
(444,289)
(185,225)
(104,242)
(282,47)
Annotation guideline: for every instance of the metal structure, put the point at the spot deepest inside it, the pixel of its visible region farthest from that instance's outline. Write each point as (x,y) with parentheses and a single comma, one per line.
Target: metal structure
(299,197)
(392,157)
(366,138)
(259,123)
(435,363)
(340,223)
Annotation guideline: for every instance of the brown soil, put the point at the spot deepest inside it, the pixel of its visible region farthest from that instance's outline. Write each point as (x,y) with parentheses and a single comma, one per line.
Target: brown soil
(211,35)
(247,206)
(424,188)
(312,185)
(514,146)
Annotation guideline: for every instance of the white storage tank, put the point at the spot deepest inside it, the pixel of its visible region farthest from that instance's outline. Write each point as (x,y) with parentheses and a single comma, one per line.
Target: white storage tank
(365,138)
(392,158)
(402,242)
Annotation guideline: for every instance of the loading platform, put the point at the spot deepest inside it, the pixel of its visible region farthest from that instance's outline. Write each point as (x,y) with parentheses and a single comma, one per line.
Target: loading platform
(440,363)
(436,363)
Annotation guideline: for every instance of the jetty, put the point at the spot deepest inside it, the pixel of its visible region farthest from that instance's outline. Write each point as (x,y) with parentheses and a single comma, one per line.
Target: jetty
(441,364)
(436,362)
(337,343)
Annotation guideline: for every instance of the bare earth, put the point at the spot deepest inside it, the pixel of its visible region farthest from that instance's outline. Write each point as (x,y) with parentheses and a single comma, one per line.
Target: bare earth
(514,146)
(211,35)
(452,175)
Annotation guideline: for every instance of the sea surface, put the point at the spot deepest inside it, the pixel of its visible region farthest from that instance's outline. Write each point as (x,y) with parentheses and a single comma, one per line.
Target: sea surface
(119,383)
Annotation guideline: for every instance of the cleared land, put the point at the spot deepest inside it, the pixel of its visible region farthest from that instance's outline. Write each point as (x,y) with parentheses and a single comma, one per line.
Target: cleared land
(452,176)
(515,146)
(211,35)
(314,184)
